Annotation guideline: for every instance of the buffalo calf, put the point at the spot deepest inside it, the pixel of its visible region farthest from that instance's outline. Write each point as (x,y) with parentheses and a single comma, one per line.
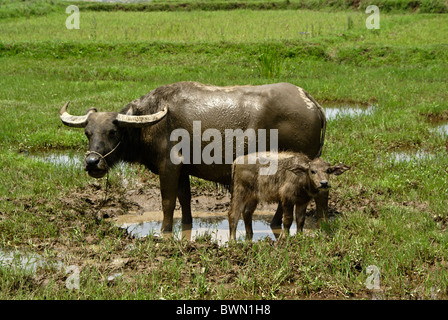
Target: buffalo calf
(296,181)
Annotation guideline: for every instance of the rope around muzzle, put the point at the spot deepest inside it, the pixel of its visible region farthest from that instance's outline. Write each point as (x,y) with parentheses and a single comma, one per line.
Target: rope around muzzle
(103,157)
(107,177)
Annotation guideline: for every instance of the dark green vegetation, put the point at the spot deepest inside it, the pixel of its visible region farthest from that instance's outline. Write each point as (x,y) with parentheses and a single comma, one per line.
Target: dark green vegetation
(19,8)
(394,213)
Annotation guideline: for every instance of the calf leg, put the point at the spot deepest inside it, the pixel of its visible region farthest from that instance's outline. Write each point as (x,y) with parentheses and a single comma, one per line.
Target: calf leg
(246,207)
(288,217)
(321,206)
(300,216)
(248,211)
(277,219)
(236,207)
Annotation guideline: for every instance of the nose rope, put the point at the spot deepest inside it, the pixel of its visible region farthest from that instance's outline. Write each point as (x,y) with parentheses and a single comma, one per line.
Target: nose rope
(103,157)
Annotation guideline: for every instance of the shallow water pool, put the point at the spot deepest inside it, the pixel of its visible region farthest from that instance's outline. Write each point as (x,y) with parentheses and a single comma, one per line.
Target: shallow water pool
(215,225)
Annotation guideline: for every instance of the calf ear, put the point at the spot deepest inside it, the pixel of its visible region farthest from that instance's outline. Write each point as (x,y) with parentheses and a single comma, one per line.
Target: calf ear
(298,169)
(338,169)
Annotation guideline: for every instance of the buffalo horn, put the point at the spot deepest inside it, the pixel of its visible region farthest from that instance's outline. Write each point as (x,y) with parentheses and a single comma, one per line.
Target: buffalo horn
(141,121)
(74,121)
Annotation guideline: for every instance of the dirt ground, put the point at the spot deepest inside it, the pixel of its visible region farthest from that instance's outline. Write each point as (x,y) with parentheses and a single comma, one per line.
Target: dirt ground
(82,220)
(143,200)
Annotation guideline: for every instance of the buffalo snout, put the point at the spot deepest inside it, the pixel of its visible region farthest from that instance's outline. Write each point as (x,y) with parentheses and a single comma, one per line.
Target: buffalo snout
(92,161)
(95,165)
(324,184)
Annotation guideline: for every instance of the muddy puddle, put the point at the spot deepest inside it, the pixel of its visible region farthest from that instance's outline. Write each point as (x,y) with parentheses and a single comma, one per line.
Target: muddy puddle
(21,261)
(410,156)
(60,158)
(142,200)
(347,110)
(72,159)
(214,225)
(439,123)
(442,130)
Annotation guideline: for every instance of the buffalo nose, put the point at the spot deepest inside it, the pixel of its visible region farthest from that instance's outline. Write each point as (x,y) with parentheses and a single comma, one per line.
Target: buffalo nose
(324,184)
(92,161)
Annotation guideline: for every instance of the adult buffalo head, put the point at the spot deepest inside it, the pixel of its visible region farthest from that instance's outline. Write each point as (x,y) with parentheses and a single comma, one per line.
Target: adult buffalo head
(106,132)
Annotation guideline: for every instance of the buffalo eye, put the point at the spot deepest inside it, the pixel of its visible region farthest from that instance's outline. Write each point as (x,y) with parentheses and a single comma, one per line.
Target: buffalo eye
(88,134)
(113,133)
(313,172)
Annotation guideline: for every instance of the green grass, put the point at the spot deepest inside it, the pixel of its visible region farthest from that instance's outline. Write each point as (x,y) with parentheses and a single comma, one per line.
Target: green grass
(394,213)
(242,26)
(197,26)
(423,6)
(28,8)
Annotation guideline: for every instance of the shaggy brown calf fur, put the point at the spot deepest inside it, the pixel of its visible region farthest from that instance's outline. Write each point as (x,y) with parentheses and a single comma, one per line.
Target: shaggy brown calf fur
(296,181)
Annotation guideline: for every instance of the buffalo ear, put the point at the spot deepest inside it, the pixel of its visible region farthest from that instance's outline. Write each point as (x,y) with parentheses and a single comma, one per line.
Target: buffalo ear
(338,169)
(298,169)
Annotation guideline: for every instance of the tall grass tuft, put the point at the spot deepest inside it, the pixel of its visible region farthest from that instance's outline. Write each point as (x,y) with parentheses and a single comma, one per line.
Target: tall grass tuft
(270,63)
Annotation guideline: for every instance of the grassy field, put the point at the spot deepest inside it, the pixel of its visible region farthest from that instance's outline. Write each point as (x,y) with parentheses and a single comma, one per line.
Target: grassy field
(394,213)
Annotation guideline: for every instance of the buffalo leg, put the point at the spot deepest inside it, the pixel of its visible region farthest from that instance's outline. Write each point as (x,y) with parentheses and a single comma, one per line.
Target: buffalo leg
(288,217)
(277,219)
(321,206)
(169,191)
(184,196)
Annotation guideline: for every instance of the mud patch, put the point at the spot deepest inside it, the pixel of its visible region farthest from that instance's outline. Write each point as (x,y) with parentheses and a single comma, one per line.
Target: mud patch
(101,201)
(436,118)
(139,212)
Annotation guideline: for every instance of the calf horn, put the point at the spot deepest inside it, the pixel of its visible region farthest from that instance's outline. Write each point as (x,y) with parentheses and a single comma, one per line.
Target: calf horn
(74,121)
(141,121)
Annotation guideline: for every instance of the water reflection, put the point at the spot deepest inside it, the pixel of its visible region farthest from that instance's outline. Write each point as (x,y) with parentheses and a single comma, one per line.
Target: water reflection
(75,160)
(442,130)
(60,158)
(346,110)
(28,262)
(420,155)
(216,226)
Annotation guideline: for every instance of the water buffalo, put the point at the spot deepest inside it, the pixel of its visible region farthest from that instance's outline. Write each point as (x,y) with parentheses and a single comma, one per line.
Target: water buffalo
(296,181)
(142,131)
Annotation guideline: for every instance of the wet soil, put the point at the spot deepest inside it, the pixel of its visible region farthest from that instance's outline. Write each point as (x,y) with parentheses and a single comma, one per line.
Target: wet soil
(436,118)
(100,245)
